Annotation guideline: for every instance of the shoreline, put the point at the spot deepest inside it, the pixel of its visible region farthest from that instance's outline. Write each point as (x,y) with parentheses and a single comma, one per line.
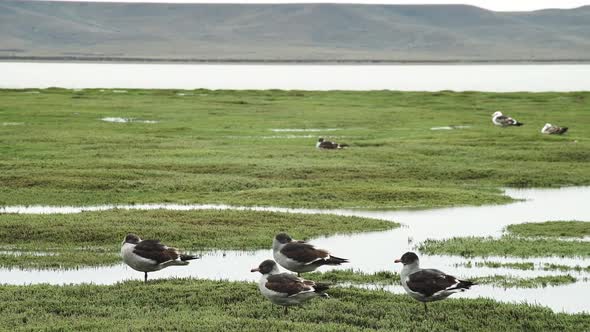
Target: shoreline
(139,60)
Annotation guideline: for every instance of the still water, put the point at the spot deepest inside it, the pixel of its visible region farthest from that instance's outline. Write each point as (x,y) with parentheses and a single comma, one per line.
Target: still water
(493,77)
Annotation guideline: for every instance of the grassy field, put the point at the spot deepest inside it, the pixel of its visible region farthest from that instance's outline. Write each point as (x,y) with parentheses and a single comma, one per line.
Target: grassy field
(219,147)
(64,235)
(183,304)
(520,240)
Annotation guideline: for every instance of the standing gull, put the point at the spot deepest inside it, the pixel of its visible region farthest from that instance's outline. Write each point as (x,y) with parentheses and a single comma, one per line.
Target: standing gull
(553,130)
(150,255)
(300,257)
(286,289)
(427,285)
(504,121)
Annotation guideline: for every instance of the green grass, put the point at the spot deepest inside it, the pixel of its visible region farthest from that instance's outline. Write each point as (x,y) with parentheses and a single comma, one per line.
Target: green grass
(102,232)
(505,246)
(495,265)
(349,276)
(551,229)
(511,282)
(521,241)
(561,267)
(526,266)
(213,147)
(185,304)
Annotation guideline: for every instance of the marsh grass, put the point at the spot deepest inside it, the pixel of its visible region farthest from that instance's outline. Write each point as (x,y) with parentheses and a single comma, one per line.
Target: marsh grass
(208,147)
(535,282)
(526,266)
(522,240)
(350,276)
(186,304)
(101,233)
(347,277)
(505,246)
(561,267)
(495,265)
(551,229)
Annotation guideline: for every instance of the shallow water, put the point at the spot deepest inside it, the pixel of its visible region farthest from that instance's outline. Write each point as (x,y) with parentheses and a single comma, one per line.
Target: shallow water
(126,120)
(449,127)
(296,130)
(375,251)
(474,77)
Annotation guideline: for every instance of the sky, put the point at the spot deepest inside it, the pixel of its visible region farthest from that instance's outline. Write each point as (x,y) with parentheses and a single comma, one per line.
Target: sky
(497,5)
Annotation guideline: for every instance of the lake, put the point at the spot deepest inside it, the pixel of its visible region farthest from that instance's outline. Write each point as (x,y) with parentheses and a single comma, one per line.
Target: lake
(475,77)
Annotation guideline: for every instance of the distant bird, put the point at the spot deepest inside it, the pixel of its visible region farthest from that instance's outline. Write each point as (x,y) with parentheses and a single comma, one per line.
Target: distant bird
(427,285)
(504,121)
(150,255)
(553,130)
(286,289)
(300,257)
(322,144)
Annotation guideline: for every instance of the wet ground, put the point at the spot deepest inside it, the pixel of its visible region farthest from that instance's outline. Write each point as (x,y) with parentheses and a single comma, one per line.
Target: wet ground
(375,251)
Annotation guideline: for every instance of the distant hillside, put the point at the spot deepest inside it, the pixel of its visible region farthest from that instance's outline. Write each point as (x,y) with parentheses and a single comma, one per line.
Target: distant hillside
(290,32)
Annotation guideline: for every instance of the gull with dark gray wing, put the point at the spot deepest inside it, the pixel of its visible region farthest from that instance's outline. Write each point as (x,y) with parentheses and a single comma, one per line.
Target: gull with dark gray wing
(550,129)
(150,255)
(301,257)
(323,144)
(502,120)
(286,289)
(427,285)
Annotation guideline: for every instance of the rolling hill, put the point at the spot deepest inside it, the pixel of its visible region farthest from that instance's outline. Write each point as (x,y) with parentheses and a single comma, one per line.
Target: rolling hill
(290,32)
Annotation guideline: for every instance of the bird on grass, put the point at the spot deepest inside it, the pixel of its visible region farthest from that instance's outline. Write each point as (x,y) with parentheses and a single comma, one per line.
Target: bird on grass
(301,257)
(553,130)
(323,144)
(428,285)
(504,121)
(286,289)
(150,255)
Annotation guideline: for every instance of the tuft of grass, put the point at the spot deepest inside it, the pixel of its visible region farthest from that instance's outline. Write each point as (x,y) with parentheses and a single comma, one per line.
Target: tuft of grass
(511,282)
(551,229)
(521,241)
(505,246)
(210,147)
(350,276)
(495,265)
(64,235)
(188,304)
(391,278)
(561,267)
(58,259)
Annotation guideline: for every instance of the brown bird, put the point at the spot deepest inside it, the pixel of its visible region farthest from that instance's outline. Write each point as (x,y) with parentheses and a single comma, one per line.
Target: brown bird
(553,130)
(427,285)
(502,120)
(150,255)
(300,257)
(322,144)
(284,288)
